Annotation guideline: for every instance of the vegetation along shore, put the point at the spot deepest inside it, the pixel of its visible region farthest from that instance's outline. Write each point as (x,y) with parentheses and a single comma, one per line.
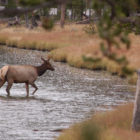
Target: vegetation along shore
(75,47)
(86,34)
(112,125)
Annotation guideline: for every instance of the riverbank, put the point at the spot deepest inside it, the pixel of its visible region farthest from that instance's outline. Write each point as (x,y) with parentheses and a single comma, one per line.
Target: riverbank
(113,125)
(70,45)
(65,96)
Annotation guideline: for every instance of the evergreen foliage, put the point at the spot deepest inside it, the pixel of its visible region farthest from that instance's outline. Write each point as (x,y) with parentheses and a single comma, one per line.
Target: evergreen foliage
(11,4)
(30,2)
(114,26)
(77,6)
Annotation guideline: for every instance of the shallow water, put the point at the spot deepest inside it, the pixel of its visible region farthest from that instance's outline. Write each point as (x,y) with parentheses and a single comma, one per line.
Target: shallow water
(65,96)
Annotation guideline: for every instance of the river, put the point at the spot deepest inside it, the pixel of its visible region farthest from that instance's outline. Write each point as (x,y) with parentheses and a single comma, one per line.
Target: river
(65,96)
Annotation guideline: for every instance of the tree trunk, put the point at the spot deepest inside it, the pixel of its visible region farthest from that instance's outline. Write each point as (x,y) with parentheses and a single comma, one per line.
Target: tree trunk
(90,7)
(71,13)
(63,10)
(33,21)
(89,14)
(136,113)
(27,20)
(82,10)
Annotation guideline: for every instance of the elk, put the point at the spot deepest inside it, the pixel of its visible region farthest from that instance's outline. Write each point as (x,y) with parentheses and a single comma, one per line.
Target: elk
(23,74)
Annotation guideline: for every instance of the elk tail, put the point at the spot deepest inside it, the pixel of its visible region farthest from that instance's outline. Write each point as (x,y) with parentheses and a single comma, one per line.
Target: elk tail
(3,72)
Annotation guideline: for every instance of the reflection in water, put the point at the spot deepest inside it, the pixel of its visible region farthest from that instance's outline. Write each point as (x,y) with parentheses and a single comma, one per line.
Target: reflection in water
(65,96)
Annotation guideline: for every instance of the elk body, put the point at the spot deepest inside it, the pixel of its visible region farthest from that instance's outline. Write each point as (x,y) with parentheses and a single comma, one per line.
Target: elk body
(23,74)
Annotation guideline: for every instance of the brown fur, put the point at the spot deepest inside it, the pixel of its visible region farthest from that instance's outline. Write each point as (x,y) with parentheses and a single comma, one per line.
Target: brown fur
(25,74)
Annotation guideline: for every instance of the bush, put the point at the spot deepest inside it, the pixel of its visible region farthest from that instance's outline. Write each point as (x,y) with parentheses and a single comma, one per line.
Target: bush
(47,23)
(89,29)
(90,131)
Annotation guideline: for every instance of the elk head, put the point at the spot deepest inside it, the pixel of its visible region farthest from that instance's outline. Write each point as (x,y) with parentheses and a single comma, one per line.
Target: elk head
(47,64)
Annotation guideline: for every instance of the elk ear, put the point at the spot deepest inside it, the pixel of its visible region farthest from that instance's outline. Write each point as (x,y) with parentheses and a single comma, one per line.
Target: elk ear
(43,59)
(48,59)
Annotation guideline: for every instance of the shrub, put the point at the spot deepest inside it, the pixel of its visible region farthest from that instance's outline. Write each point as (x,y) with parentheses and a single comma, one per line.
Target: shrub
(90,131)
(47,23)
(89,29)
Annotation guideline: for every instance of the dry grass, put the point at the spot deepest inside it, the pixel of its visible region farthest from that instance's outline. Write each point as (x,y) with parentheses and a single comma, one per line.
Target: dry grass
(70,45)
(113,125)
(58,37)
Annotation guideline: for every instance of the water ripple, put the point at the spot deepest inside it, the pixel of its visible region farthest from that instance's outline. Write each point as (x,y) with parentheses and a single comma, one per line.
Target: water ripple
(65,96)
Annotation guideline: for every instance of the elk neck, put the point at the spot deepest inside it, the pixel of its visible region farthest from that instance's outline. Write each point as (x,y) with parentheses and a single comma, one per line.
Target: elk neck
(41,69)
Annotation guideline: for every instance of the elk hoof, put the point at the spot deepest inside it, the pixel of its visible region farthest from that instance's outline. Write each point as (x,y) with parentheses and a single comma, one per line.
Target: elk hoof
(8,95)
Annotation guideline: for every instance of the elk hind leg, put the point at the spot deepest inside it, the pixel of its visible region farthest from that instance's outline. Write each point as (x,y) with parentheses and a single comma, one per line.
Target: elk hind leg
(8,88)
(2,82)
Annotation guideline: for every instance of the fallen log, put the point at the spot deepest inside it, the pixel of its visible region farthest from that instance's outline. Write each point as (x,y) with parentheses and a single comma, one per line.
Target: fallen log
(86,21)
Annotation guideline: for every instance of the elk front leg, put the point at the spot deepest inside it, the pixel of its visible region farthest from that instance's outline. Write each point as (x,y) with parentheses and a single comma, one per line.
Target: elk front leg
(36,88)
(27,89)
